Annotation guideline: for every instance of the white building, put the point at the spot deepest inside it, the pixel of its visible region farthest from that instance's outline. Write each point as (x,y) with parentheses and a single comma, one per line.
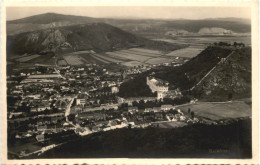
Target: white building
(114,89)
(157,85)
(81,102)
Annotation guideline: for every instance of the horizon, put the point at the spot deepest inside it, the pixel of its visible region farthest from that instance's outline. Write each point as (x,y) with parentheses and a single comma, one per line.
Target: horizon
(164,13)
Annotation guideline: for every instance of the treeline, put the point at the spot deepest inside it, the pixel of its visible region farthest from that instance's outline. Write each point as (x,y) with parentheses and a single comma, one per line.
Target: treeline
(193,141)
(136,87)
(188,74)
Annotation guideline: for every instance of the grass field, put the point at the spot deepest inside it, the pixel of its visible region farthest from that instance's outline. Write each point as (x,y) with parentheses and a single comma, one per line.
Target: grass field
(73,59)
(127,58)
(158,60)
(217,111)
(132,63)
(185,52)
(27,58)
(62,62)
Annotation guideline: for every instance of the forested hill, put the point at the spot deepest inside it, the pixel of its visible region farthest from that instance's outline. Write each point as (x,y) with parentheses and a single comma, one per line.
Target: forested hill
(231,79)
(190,73)
(99,37)
(235,69)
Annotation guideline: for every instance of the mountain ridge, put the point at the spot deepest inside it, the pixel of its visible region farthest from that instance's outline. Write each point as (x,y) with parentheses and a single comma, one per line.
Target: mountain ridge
(44,21)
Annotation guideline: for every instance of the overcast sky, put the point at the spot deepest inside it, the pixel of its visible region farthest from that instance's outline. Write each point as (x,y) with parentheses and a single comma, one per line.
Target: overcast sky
(134,12)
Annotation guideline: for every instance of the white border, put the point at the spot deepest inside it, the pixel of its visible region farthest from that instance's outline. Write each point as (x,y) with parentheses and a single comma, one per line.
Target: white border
(255,78)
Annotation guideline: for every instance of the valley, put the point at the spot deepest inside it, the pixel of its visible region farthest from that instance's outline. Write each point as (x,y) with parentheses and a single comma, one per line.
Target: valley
(83,87)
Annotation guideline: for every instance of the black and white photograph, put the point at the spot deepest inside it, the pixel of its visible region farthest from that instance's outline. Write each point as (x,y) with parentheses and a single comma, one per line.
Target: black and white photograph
(131,82)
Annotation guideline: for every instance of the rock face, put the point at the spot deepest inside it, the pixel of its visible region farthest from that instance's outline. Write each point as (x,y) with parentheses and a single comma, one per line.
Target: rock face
(230,79)
(214,30)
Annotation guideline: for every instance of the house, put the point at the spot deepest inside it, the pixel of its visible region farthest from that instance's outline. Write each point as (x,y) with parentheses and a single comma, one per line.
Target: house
(132,110)
(81,102)
(40,138)
(156,109)
(96,129)
(167,107)
(41,128)
(114,89)
(158,116)
(147,110)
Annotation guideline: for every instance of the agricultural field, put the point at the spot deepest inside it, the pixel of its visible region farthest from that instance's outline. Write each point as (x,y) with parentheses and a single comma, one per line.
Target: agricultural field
(73,59)
(218,111)
(128,58)
(107,58)
(62,62)
(27,58)
(158,60)
(132,63)
(185,52)
(99,59)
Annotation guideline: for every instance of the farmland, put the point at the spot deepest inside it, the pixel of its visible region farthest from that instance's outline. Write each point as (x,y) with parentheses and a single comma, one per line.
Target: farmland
(185,52)
(126,58)
(72,59)
(27,58)
(221,110)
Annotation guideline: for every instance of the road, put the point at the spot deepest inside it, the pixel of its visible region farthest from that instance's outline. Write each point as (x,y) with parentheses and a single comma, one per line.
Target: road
(67,112)
(210,71)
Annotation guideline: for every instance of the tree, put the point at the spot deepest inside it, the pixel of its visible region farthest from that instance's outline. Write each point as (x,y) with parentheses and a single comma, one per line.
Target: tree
(192,114)
(230,96)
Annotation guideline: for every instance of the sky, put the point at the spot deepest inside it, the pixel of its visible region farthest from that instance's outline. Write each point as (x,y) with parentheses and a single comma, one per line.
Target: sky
(163,12)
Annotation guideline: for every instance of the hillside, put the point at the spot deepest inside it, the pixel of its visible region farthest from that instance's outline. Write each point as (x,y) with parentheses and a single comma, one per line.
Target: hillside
(193,141)
(229,79)
(139,26)
(99,37)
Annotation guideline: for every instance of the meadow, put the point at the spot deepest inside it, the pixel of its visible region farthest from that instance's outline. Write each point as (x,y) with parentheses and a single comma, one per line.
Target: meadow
(73,59)
(27,58)
(218,111)
(185,52)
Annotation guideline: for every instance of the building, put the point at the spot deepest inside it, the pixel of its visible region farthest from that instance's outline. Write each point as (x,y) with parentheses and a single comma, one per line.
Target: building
(167,107)
(157,85)
(132,110)
(114,89)
(81,102)
(40,138)
(44,76)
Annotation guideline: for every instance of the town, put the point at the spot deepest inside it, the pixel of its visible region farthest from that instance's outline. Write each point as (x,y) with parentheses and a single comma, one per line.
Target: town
(80,100)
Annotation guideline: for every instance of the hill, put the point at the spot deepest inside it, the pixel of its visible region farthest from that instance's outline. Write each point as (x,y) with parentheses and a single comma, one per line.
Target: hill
(193,141)
(232,78)
(139,26)
(99,37)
